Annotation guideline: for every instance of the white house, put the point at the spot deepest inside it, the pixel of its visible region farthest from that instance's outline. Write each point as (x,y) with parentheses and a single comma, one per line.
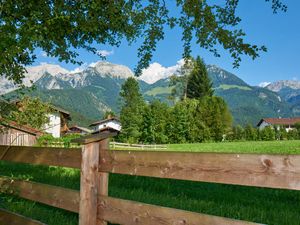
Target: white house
(58,122)
(287,123)
(107,124)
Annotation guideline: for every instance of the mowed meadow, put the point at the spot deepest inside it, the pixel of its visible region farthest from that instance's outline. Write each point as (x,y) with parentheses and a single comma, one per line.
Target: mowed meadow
(262,205)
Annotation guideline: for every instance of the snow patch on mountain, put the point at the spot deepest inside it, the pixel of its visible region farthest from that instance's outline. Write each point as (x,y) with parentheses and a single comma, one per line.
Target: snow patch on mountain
(264,84)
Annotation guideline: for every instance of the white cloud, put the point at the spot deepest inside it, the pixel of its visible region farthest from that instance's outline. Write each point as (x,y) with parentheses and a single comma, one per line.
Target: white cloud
(80,68)
(264,84)
(105,53)
(156,72)
(93,64)
(83,67)
(295,78)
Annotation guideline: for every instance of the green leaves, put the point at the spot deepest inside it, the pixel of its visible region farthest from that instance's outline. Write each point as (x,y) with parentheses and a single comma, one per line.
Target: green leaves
(61,27)
(32,111)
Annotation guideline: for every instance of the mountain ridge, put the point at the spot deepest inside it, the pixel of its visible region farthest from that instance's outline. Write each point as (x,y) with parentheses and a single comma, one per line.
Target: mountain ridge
(97,87)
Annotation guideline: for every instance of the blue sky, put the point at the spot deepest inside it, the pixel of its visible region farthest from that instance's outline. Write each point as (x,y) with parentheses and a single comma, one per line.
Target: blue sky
(279,32)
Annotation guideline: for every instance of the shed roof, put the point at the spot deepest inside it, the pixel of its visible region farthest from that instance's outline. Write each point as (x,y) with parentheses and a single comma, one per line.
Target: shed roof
(105,121)
(280,121)
(24,128)
(106,129)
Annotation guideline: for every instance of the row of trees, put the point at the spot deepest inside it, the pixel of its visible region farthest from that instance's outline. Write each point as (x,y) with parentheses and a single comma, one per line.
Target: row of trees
(249,133)
(197,116)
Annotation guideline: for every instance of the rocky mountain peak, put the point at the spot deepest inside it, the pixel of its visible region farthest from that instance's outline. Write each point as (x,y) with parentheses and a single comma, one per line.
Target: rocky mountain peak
(113,70)
(52,69)
(278,85)
(217,70)
(34,73)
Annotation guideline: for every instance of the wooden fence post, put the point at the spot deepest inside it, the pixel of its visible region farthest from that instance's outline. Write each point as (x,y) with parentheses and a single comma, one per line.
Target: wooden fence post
(92,183)
(102,176)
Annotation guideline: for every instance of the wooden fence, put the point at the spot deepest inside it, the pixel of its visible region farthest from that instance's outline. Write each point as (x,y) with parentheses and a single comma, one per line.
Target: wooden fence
(117,145)
(96,161)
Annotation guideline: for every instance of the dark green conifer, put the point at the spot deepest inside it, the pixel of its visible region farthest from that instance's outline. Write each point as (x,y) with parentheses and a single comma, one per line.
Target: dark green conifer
(199,84)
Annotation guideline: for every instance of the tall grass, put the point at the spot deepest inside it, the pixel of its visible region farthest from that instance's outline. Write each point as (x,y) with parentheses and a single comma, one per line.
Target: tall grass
(269,206)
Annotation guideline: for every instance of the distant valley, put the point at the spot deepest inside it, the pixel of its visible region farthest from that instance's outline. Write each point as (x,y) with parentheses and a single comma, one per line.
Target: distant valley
(89,93)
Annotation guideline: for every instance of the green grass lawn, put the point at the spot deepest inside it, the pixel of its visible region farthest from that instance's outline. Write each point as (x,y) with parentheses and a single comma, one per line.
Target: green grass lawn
(269,206)
(268,147)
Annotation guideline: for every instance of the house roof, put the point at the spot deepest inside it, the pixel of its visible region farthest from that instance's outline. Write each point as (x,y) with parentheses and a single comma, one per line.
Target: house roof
(105,121)
(105,129)
(24,128)
(58,109)
(280,121)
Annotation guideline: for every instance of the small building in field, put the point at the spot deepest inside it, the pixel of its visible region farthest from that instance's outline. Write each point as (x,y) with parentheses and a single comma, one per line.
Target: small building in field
(11,133)
(58,122)
(79,130)
(287,123)
(112,123)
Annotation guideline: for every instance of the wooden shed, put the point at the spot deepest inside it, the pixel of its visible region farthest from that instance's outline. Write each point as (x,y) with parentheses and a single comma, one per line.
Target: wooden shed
(12,133)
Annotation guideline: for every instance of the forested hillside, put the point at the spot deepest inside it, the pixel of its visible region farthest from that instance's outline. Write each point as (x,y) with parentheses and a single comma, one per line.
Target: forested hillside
(92,92)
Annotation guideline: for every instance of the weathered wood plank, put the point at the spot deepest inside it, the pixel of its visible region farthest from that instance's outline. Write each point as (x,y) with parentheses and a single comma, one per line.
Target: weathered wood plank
(42,155)
(89,184)
(50,195)
(274,171)
(10,218)
(103,177)
(96,137)
(134,213)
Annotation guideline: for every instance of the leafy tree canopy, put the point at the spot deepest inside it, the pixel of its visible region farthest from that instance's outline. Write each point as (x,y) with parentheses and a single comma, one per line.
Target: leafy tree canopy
(31,111)
(61,27)
(109,114)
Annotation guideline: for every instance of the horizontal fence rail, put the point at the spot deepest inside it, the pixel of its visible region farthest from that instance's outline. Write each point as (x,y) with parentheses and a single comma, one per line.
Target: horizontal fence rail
(96,161)
(10,218)
(110,209)
(58,197)
(273,171)
(126,212)
(42,155)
